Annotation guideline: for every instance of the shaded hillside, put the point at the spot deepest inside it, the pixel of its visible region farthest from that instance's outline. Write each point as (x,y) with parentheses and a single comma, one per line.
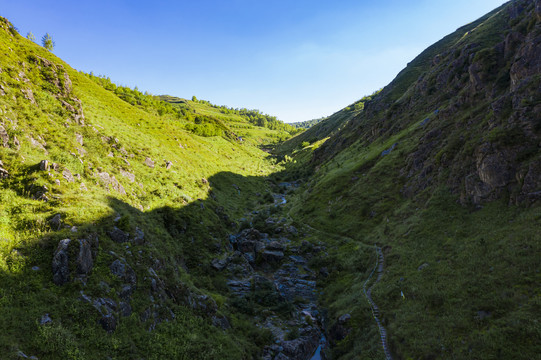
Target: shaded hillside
(442,169)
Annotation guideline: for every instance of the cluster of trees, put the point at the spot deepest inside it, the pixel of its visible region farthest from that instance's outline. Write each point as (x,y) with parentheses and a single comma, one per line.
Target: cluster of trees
(146,101)
(46,41)
(253,116)
(308,123)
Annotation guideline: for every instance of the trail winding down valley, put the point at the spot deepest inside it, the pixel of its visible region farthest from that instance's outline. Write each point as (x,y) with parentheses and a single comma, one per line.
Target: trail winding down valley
(375,310)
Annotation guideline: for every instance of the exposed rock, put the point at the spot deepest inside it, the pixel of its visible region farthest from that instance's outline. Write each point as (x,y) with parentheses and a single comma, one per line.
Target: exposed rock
(108,323)
(388,151)
(128,175)
(240,287)
(219,264)
(44,165)
(138,238)
(302,347)
(67,175)
(79,138)
(60,263)
(118,235)
(168,165)
(272,257)
(149,162)
(125,309)
(29,95)
(55,222)
(3,173)
(275,246)
(22,355)
(527,61)
(340,329)
(45,319)
(37,144)
(17,143)
(221,322)
(123,271)
(111,182)
(422,267)
(84,259)
(4,137)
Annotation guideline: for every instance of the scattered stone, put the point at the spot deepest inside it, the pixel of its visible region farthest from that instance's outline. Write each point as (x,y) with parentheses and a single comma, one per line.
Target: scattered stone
(118,235)
(111,182)
(79,138)
(44,165)
(272,257)
(84,259)
(139,237)
(55,222)
(108,323)
(61,263)
(422,267)
(168,165)
(45,319)
(17,143)
(219,264)
(22,355)
(3,173)
(292,230)
(221,322)
(482,314)
(275,246)
(35,268)
(128,175)
(149,162)
(388,151)
(4,137)
(123,271)
(125,309)
(68,176)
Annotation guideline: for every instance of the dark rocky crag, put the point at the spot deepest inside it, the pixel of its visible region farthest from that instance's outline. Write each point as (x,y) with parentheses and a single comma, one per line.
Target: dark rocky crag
(479,89)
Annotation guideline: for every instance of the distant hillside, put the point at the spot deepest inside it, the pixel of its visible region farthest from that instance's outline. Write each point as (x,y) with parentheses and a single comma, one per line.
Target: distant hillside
(308,123)
(229,114)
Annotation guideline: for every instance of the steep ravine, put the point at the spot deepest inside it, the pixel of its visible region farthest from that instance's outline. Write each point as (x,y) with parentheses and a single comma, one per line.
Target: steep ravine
(266,267)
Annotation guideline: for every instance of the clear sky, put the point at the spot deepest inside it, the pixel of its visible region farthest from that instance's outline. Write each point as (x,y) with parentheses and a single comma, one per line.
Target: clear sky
(295,59)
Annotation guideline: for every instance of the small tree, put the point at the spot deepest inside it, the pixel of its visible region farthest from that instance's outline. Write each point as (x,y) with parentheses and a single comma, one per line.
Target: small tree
(47,42)
(30,36)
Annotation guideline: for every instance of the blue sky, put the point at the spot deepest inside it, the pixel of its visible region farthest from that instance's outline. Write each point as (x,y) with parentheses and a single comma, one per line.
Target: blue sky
(295,59)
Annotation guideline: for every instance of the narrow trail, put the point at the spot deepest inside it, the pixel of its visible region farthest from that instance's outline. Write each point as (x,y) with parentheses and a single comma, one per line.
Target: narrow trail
(367,292)
(375,310)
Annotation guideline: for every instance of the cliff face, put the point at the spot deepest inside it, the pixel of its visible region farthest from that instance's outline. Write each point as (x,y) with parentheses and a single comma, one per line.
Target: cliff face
(476,95)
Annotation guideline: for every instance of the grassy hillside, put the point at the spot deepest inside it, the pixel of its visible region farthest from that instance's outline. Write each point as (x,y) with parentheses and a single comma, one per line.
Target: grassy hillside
(441,169)
(81,157)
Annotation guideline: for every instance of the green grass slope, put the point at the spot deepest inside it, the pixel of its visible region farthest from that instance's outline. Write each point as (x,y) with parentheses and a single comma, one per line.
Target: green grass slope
(442,170)
(98,157)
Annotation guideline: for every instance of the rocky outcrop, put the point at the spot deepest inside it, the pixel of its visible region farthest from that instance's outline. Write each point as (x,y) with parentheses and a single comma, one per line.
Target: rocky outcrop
(60,265)
(4,137)
(111,183)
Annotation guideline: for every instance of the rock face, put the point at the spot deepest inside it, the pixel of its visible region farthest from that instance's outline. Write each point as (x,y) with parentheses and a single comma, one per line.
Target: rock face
(4,137)
(149,162)
(56,222)
(123,271)
(61,272)
(111,182)
(85,260)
